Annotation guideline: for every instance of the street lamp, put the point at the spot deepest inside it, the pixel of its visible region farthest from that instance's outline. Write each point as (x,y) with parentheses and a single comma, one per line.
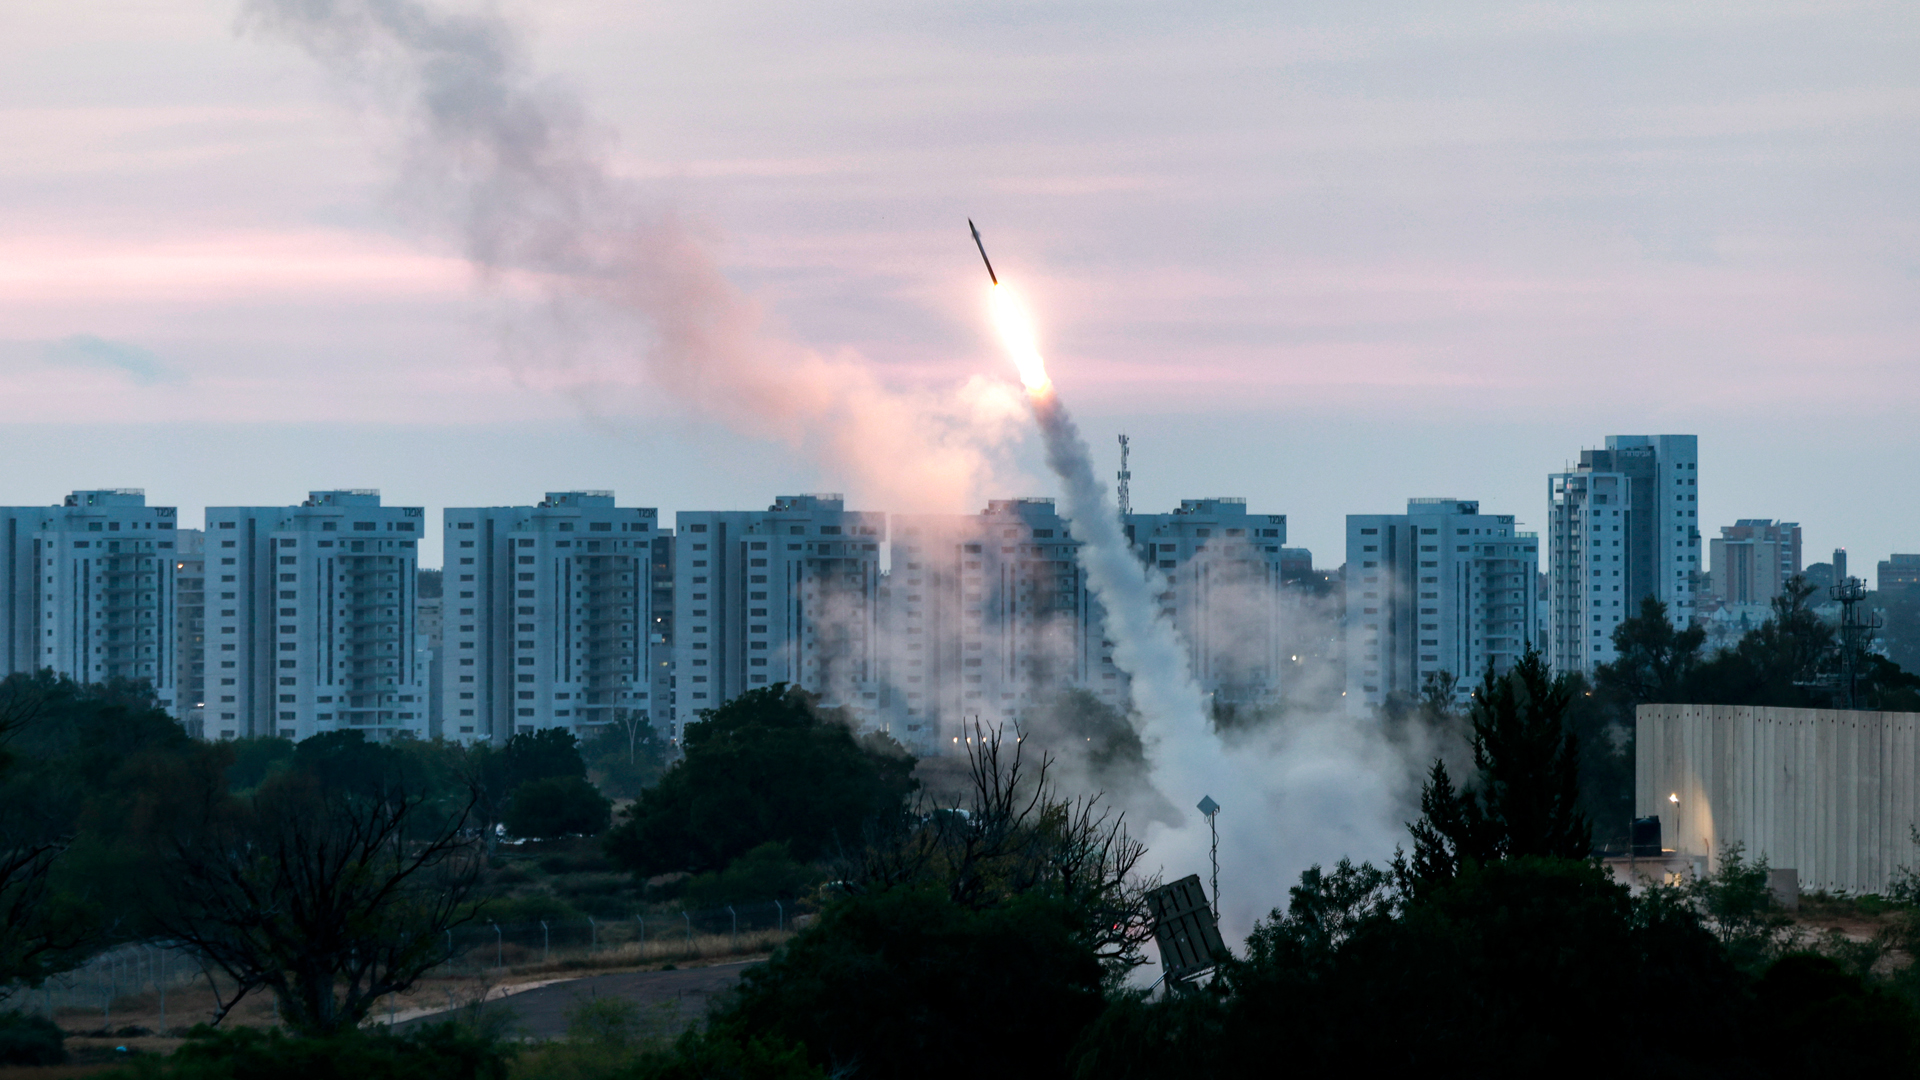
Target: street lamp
(1212,810)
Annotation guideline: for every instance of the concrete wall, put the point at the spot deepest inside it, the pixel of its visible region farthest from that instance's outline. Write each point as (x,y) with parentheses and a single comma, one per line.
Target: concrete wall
(1830,793)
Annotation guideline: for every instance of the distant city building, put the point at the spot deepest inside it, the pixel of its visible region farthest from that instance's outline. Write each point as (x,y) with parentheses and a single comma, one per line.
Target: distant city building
(660,633)
(1753,560)
(429,637)
(1623,526)
(311,618)
(1223,570)
(1442,587)
(190,629)
(547,612)
(989,616)
(89,590)
(790,594)
(1898,573)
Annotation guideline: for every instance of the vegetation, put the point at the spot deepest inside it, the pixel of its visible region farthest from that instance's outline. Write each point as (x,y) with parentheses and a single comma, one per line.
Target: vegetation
(1791,661)
(558,806)
(330,895)
(988,933)
(438,1052)
(1524,797)
(770,765)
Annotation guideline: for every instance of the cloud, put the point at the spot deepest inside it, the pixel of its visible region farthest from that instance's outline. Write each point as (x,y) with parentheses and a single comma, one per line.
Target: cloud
(140,366)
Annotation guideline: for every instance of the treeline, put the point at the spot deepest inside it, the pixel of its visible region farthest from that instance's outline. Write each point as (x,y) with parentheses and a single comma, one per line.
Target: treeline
(341,860)
(1792,660)
(996,931)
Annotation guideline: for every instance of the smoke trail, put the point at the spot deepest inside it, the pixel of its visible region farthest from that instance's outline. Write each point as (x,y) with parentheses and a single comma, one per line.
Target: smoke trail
(1164,692)
(515,168)
(1310,790)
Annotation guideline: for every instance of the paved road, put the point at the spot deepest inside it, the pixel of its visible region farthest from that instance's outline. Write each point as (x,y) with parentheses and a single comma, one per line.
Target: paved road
(669,999)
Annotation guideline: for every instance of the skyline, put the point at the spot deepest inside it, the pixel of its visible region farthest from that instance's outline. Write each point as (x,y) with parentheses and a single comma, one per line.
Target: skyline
(1353,238)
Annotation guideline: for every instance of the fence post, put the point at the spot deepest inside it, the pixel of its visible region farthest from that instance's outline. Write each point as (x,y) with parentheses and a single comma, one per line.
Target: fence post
(546,942)
(449,952)
(734,938)
(689,918)
(781,923)
(643,928)
(593,934)
(499,947)
(161,982)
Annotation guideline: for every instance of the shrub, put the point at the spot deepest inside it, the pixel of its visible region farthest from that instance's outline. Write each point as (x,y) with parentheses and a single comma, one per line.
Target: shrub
(768,872)
(437,1052)
(30,1040)
(558,806)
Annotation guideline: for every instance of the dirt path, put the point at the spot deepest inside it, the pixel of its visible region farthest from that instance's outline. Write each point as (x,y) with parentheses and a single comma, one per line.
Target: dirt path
(672,999)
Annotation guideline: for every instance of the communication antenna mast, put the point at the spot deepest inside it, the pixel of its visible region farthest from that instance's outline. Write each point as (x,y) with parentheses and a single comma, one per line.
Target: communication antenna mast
(1126,478)
(1856,633)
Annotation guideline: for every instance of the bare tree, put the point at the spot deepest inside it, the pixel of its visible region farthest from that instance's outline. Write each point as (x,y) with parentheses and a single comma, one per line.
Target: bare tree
(329,898)
(1018,835)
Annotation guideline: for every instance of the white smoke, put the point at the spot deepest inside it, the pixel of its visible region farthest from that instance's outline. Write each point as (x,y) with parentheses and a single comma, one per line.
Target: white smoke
(516,170)
(1304,790)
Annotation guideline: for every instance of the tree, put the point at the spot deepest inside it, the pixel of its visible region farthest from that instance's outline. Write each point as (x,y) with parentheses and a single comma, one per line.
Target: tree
(908,982)
(71,758)
(558,806)
(1524,797)
(770,765)
(1654,661)
(1780,662)
(328,896)
(626,757)
(528,756)
(1016,836)
(29,844)
(1078,723)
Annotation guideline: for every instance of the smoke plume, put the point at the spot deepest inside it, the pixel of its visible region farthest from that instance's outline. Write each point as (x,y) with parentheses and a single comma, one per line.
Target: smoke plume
(516,171)
(1307,789)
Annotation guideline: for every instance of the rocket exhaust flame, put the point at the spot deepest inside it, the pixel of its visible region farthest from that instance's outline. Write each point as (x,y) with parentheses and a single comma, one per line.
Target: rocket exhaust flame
(1016,330)
(1164,691)
(1319,786)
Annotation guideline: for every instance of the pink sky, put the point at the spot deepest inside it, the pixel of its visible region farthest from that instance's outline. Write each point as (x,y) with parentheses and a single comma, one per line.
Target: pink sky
(1305,229)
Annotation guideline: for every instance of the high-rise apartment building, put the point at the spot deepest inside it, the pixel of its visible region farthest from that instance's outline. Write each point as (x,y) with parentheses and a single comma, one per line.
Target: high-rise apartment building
(660,635)
(89,589)
(1441,587)
(1753,559)
(1222,570)
(190,629)
(1898,573)
(429,617)
(989,616)
(1624,525)
(789,594)
(547,613)
(311,618)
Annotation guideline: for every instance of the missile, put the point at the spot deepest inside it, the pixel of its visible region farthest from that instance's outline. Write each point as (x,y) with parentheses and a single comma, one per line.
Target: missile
(983,251)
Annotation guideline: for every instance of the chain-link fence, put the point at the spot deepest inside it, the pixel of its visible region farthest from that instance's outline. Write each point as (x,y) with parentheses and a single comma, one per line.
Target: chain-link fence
(146,969)
(479,946)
